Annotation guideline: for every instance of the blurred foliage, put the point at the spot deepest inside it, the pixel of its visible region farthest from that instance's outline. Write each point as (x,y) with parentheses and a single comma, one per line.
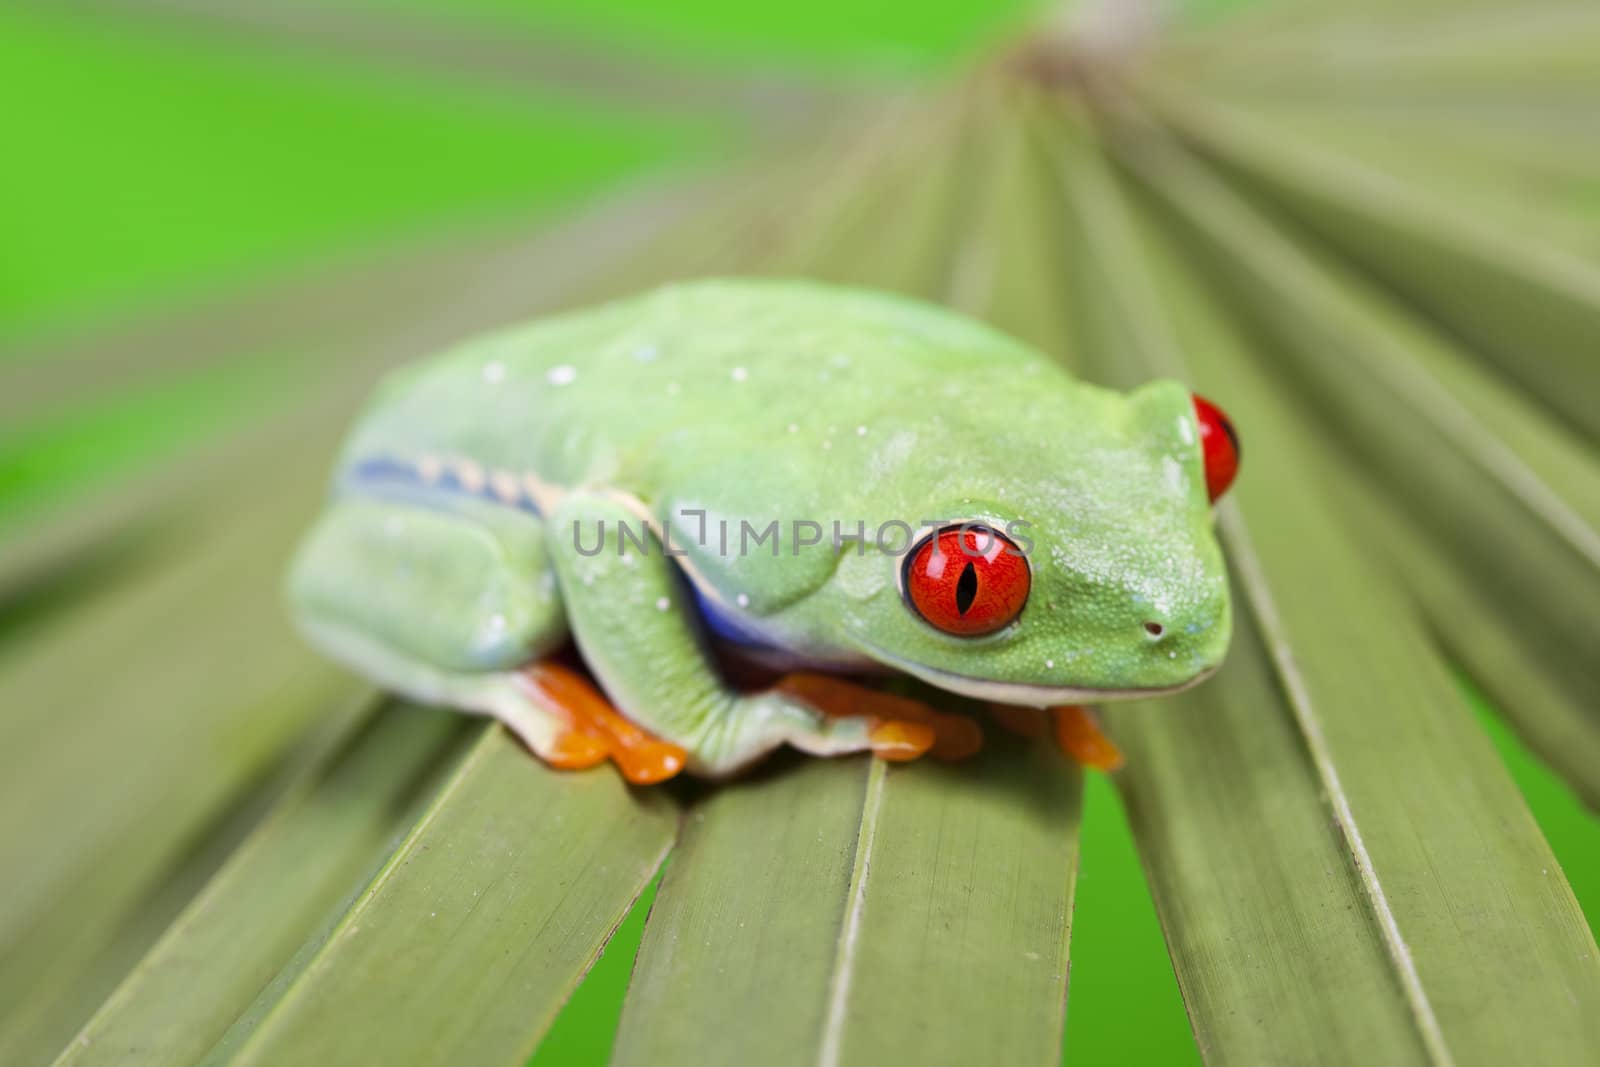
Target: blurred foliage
(182,160)
(830,32)
(185,164)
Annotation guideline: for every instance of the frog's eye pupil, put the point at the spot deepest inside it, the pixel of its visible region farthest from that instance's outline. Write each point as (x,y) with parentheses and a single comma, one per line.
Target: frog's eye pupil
(1219,446)
(967,588)
(966,580)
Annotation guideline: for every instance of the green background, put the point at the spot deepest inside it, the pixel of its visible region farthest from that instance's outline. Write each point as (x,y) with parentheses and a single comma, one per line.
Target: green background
(146,164)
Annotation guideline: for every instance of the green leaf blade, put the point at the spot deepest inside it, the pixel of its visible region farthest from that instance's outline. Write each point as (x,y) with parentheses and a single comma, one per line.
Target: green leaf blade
(1455,881)
(482,923)
(847,911)
(962,914)
(243,929)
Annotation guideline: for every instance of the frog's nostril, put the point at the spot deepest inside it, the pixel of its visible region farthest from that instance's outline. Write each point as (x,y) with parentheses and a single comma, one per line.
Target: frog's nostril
(1155,630)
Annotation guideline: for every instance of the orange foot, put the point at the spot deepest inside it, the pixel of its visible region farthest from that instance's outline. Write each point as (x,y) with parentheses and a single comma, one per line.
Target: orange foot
(1080,737)
(1076,732)
(596,730)
(905,728)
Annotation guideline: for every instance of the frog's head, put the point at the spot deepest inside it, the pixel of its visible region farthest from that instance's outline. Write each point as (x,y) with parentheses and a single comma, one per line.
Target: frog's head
(1094,574)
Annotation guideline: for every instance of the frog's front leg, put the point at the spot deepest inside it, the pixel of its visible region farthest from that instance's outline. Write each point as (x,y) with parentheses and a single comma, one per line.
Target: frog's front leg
(634,622)
(1076,732)
(957,736)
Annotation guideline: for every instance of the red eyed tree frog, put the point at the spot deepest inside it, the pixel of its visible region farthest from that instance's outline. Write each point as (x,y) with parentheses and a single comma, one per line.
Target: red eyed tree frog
(831,481)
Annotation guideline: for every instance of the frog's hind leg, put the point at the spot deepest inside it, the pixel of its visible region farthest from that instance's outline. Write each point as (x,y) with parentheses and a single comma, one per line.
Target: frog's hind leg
(443,606)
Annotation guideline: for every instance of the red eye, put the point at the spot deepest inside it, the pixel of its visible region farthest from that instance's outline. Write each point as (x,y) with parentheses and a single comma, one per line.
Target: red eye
(1219,444)
(968,581)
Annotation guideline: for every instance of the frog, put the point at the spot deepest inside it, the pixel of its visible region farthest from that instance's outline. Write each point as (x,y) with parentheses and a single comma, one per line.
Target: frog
(832,484)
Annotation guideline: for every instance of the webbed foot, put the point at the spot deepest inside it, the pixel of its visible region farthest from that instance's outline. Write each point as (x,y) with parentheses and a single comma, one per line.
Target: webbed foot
(1080,736)
(1076,732)
(596,727)
(904,728)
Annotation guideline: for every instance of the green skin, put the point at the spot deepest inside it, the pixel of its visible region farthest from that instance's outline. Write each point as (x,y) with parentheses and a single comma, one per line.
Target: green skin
(470,496)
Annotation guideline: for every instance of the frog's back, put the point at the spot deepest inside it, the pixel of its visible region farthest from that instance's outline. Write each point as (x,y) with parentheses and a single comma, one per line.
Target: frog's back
(579,397)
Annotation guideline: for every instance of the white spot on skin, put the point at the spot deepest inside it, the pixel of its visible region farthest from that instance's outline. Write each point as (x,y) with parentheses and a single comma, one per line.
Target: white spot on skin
(742,600)
(1173,470)
(497,622)
(794,428)
(1050,664)
(673,388)
(887,458)
(861,431)
(565,374)
(738,374)
(663,604)
(827,444)
(494,373)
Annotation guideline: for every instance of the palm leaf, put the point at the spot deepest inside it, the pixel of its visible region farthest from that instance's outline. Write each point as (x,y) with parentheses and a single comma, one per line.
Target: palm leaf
(1370,711)
(1473,274)
(851,912)
(225,851)
(222,957)
(501,856)
(1502,473)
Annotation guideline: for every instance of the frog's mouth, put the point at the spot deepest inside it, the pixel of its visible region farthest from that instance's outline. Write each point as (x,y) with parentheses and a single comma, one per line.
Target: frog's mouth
(1024,694)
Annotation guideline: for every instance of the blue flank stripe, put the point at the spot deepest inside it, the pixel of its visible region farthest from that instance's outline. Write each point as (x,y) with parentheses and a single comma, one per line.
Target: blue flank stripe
(380,472)
(383,471)
(726,624)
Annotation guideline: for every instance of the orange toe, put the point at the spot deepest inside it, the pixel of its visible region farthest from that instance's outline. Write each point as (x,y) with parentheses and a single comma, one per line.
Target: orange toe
(1081,738)
(650,761)
(642,759)
(898,740)
(575,751)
